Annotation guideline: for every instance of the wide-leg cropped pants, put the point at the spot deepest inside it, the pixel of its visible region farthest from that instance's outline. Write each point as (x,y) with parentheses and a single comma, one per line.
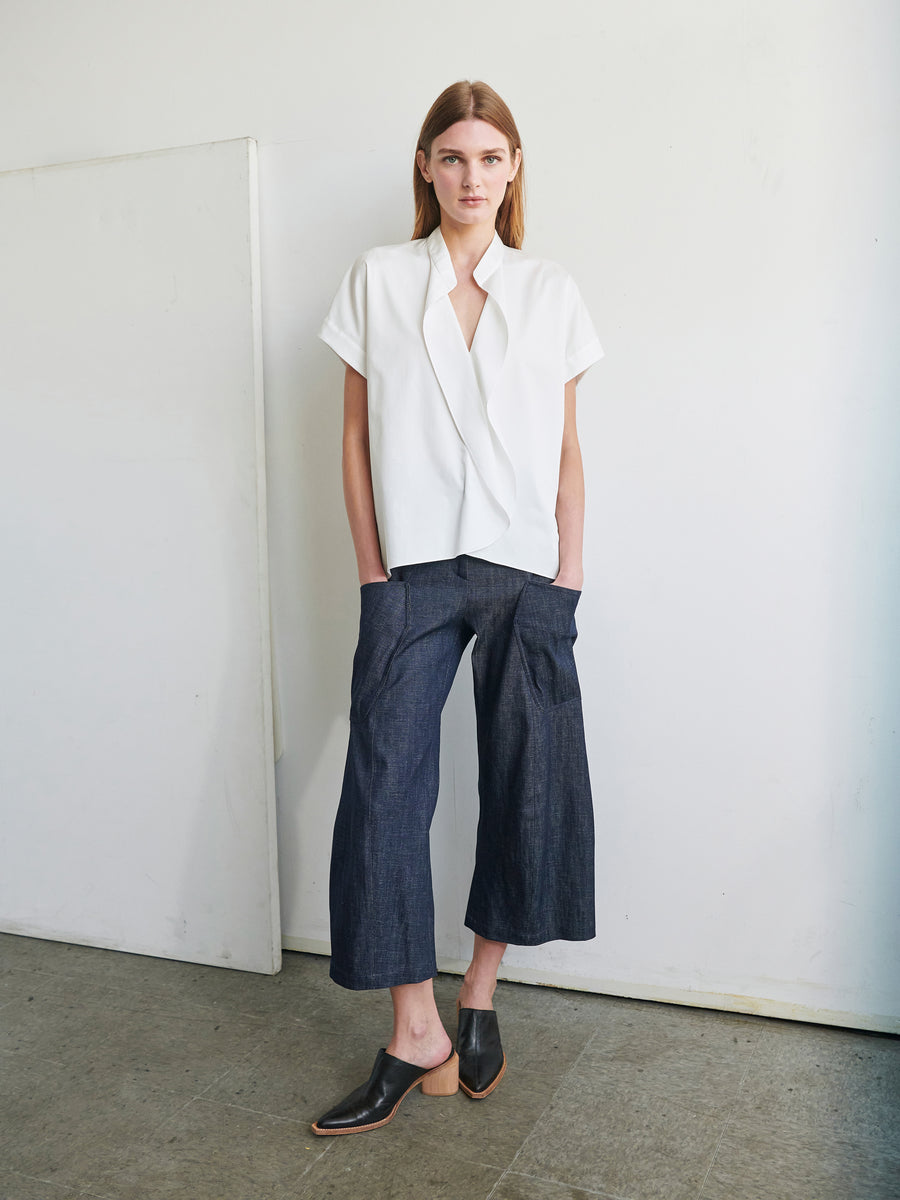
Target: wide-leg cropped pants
(534,867)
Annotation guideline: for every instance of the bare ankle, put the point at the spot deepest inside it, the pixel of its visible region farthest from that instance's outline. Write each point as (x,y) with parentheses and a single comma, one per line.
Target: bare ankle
(417,1031)
(477,993)
(419,1035)
(426,1048)
(480,980)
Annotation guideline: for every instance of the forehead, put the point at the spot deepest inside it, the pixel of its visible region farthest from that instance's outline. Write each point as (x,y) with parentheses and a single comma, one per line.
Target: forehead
(471,136)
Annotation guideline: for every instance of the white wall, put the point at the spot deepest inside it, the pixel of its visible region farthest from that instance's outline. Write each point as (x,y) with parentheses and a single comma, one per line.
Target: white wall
(721,178)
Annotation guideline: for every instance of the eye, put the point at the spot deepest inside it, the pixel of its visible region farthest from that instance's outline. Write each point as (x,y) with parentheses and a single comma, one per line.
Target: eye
(450,158)
(490,159)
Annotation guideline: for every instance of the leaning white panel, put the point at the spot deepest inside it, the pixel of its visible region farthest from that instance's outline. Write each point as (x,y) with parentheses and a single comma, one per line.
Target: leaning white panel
(136,763)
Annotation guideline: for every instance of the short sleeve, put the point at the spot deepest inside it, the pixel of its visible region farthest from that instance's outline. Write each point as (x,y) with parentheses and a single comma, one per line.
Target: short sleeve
(344,328)
(583,347)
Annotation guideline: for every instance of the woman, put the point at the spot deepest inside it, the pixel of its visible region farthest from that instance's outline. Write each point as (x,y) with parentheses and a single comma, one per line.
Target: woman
(465,496)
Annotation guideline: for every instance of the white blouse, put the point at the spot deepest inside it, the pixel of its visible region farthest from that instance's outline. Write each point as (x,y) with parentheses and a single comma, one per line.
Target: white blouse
(465,445)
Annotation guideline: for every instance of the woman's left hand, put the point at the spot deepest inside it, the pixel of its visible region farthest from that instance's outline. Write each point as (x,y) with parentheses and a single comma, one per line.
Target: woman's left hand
(570,579)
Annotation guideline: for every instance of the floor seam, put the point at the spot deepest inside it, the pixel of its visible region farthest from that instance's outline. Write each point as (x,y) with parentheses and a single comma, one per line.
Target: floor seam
(257,1112)
(714,1156)
(541,1116)
(154,1129)
(60,1187)
(288,1192)
(729,1119)
(565,1184)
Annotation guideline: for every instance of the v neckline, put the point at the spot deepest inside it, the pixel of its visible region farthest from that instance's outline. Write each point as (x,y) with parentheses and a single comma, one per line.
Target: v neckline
(468,378)
(469,349)
(464,371)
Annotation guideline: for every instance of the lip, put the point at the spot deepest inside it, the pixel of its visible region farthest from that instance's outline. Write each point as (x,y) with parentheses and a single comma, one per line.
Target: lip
(473,200)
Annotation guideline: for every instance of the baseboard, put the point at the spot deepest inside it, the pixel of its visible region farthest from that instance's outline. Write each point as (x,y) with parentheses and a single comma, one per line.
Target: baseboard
(723,1002)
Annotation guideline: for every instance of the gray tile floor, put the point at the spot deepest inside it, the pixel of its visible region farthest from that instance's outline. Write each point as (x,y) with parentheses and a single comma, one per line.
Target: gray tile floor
(135,1078)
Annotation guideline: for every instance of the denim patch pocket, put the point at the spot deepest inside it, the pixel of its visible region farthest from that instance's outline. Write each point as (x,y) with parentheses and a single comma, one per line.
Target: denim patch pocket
(383,618)
(545,631)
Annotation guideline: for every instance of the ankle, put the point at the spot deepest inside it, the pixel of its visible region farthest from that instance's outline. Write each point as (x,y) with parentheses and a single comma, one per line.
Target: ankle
(480,979)
(477,992)
(422,1030)
(426,1046)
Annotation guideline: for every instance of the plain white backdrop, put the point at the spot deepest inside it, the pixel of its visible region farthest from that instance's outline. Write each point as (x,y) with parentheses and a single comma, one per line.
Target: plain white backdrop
(722,180)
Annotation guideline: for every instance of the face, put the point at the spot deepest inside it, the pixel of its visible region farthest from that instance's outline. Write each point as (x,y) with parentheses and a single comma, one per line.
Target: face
(470,165)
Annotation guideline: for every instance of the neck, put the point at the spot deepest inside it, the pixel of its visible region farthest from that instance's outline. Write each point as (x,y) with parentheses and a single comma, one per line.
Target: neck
(467,245)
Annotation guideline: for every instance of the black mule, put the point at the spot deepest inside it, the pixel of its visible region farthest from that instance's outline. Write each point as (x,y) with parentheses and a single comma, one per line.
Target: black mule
(482,1062)
(377,1101)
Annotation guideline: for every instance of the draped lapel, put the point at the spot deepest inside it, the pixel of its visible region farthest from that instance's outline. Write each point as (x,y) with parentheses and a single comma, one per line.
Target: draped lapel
(454,369)
(492,332)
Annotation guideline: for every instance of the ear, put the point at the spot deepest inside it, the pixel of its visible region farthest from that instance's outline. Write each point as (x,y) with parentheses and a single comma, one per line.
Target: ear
(517,162)
(422,164)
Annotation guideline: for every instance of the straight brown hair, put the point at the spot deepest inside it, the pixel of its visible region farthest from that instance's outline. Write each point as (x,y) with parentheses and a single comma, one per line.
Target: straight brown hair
(470,101)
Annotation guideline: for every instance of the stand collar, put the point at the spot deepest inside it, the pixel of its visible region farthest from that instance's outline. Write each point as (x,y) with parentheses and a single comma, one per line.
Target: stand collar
(443,277)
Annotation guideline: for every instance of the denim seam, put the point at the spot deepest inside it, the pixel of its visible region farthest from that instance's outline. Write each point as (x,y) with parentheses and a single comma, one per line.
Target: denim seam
(364,716)
(370,783)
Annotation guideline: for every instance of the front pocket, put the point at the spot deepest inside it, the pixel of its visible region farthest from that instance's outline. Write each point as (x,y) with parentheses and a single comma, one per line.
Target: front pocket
(545,633)
(383,619)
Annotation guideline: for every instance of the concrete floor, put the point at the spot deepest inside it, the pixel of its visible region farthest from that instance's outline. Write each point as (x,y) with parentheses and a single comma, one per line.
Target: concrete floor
(135,1078)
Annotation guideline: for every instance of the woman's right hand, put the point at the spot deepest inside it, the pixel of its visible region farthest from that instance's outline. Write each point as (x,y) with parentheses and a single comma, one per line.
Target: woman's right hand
(364,578)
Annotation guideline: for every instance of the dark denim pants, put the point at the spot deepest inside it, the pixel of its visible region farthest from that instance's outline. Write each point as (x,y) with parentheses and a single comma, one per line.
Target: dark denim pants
(534,866)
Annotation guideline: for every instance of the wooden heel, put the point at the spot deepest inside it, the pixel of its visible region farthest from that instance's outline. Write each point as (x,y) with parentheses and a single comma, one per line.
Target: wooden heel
(443,1080)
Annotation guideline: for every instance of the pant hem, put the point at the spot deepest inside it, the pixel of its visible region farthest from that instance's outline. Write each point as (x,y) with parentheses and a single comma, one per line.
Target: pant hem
(370,983)
(517,938)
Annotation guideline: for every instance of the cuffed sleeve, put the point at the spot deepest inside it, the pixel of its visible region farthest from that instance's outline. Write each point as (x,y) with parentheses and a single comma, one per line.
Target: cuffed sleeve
(583,347)
(344,328)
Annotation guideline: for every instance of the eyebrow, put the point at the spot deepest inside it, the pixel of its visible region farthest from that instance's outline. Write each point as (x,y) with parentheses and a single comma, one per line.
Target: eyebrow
(460,154)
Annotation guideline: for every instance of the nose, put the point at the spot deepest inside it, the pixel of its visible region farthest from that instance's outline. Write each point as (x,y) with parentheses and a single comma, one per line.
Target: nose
(470,179)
